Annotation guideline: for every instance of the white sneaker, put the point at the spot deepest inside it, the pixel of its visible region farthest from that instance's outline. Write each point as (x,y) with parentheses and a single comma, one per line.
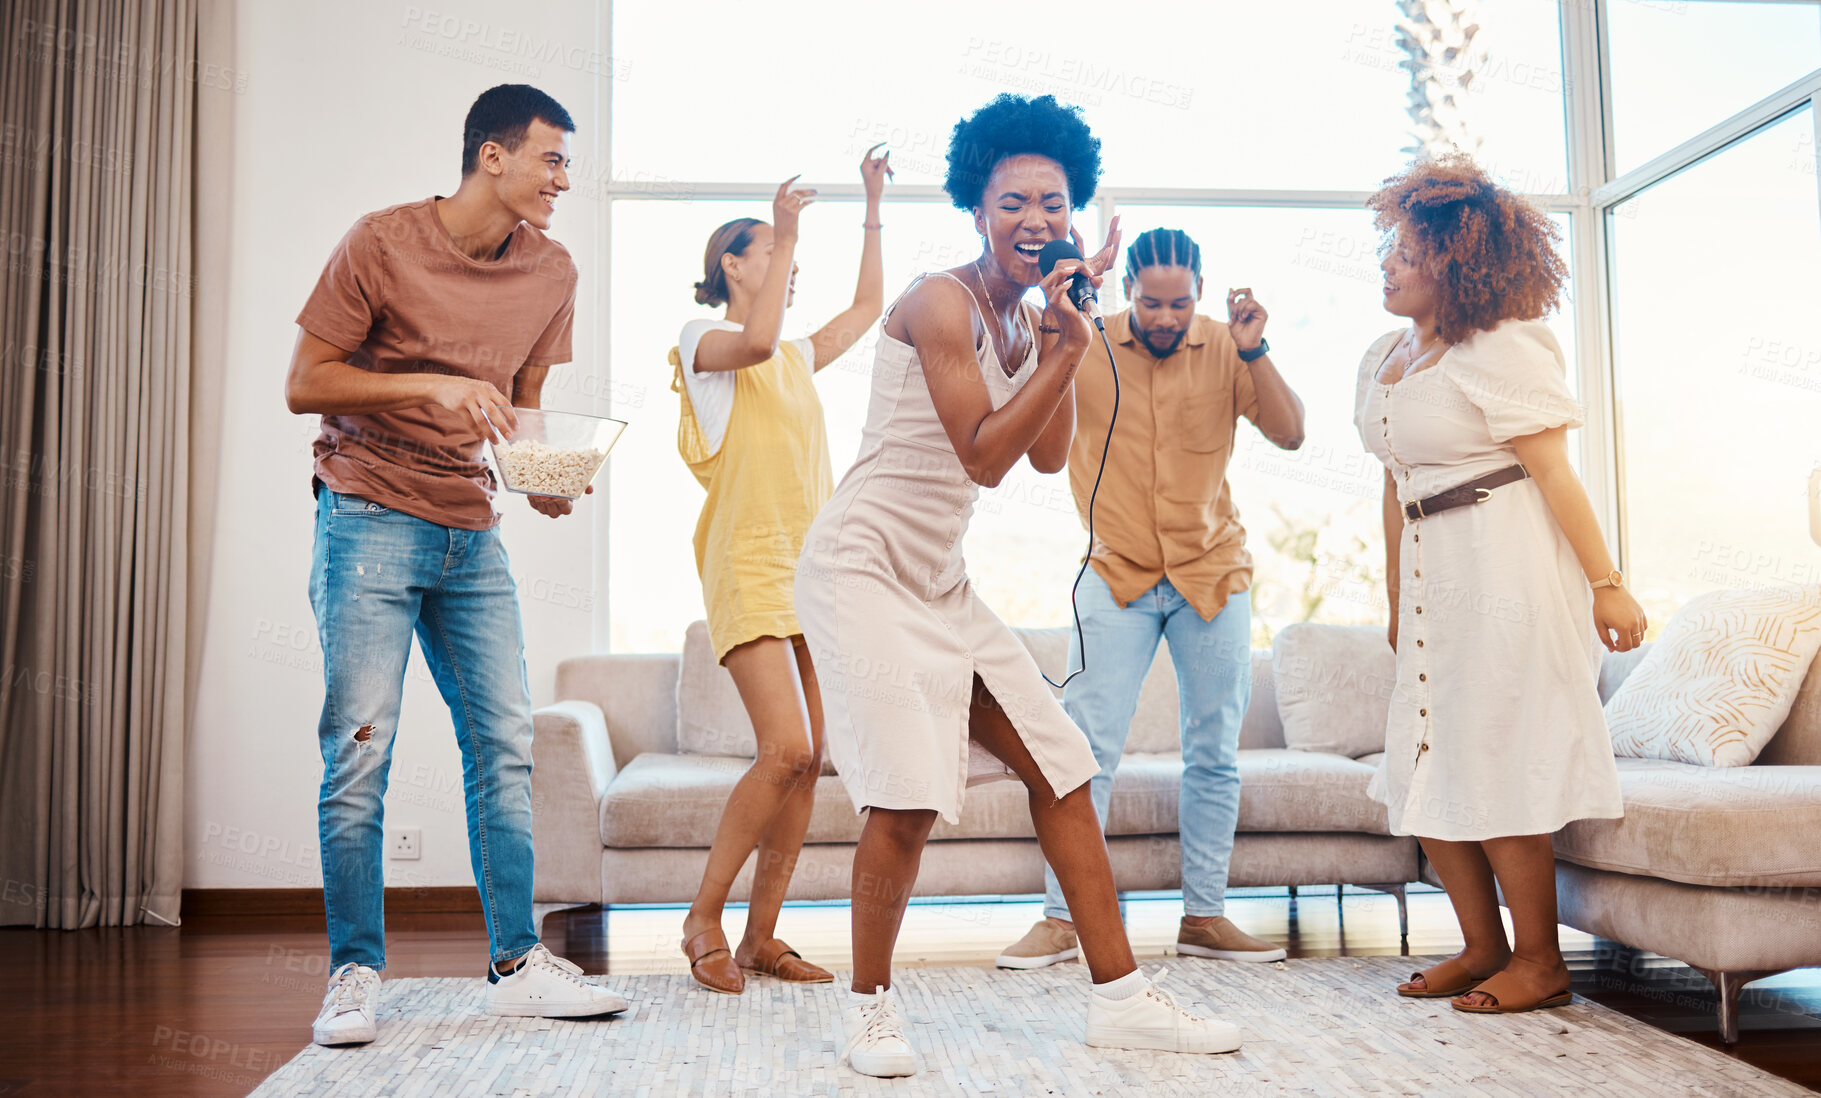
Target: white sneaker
(875,1038)
(350,1010)
(1152,1019)
(546,986)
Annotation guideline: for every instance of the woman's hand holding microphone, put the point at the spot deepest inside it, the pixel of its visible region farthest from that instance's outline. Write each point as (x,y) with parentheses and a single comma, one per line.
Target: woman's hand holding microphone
(1060,314)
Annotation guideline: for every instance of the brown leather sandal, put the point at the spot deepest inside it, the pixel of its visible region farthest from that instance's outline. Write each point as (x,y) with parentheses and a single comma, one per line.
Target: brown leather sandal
(1514,1001)
(784,963)
(712,963)
(1452,972)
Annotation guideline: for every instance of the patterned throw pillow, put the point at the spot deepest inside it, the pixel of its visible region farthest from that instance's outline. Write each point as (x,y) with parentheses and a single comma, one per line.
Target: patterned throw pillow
(1721,680)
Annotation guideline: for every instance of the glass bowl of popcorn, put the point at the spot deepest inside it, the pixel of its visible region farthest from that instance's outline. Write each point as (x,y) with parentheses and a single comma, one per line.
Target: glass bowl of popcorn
(554,453)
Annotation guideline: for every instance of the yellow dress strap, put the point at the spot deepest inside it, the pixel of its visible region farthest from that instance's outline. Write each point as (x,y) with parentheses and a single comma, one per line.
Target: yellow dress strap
(692,441)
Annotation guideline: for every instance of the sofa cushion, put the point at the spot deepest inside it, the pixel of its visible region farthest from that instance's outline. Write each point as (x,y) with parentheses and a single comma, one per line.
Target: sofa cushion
(711,718)
(1798,742)
(1721,680)
(1615,667)
(662,800)
(676,801)
(1334,685)
(1286,789)
(1155,727)
(1732,827)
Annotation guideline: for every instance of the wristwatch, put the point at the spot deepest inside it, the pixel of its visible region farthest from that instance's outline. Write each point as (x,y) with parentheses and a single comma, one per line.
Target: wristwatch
(1613,578)
(1258,352)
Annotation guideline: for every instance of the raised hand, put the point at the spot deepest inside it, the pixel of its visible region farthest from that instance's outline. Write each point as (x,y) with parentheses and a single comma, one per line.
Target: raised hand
(785,207)
(1101,261)
(1245,318)
(874,171)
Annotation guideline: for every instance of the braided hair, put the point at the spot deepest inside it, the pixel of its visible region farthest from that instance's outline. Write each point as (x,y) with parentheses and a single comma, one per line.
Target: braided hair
(1163,248)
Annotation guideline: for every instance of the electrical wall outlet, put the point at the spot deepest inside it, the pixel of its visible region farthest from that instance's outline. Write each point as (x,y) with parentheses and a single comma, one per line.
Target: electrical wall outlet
(406,844)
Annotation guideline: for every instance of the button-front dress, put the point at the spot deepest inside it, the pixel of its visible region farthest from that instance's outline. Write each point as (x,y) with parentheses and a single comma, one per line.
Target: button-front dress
(893,623)
(1495,726)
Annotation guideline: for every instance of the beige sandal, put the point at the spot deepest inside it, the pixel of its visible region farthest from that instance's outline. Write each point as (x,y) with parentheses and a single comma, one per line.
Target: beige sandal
(1511,1002)
(1460,981)
(712,963)
(779,960)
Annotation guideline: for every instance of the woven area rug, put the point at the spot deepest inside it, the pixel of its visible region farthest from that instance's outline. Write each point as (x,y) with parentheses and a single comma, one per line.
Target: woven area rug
(1327,1026)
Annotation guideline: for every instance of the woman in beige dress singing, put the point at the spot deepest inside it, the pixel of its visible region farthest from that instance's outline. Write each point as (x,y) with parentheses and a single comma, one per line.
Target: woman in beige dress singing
(1502,587)
(924,688)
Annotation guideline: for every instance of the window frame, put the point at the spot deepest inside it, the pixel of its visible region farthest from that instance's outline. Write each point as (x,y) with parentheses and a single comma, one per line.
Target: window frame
(1586,45)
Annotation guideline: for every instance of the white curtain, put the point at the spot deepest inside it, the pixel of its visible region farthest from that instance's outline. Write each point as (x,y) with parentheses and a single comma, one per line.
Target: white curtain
(97,301)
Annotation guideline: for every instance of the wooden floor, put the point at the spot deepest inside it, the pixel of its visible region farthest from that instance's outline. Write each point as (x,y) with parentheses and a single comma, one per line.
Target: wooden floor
(212,1008)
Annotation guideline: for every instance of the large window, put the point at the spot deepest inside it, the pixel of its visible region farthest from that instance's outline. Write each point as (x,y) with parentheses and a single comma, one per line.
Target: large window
(1678,68)
(1306,96)
(1258,129)
(1716,275)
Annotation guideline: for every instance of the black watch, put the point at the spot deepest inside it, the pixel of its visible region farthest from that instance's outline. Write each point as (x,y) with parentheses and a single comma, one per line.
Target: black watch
(1256,353)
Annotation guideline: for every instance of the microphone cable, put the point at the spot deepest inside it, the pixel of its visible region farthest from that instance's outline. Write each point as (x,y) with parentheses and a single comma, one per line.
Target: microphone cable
(1074,606)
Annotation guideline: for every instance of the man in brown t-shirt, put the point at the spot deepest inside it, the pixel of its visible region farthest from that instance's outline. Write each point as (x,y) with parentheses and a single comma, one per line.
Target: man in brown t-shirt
(431,321)
(1169,560)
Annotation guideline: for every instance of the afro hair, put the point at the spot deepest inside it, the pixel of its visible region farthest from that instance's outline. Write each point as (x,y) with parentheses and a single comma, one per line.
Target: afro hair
(1013,125)
(1490,251)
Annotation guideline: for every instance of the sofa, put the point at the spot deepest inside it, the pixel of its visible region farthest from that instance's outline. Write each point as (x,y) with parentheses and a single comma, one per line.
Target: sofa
(1717,868)
(634,764)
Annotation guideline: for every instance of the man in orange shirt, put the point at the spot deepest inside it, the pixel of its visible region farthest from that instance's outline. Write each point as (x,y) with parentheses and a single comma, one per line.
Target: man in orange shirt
(430,323)
(1169,560)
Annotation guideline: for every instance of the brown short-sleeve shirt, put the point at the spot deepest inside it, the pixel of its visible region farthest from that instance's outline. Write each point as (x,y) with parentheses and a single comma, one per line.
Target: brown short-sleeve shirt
(400,297)
(1164,509)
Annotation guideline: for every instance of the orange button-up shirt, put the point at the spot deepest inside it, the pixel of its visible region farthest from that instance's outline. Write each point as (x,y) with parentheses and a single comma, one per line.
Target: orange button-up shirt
(1164,509)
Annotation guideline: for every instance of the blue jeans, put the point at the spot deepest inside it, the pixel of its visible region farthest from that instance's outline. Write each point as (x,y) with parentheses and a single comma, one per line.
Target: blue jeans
(378,576)
(1214,682)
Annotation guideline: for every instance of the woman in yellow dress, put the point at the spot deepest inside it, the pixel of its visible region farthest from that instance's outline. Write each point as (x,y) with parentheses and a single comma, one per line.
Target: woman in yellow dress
(751,430)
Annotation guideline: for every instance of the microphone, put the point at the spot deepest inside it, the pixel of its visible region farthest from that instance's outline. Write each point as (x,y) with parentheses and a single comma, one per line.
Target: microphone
(1081,291)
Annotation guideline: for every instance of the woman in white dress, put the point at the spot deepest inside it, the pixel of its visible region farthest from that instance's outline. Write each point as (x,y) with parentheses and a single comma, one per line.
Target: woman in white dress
(1502,586)
(926,691)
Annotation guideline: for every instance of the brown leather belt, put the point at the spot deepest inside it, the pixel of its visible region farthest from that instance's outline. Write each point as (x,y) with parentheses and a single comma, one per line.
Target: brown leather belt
(1474,491)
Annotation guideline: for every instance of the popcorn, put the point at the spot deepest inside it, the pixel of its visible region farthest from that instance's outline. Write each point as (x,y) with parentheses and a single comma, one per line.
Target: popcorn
(540,469)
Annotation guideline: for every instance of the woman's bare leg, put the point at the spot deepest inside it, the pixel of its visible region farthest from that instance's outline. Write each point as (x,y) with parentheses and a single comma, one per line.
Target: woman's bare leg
(770,685)
(1525,866)
(1069,832)
(885,868)
(782,842)
(1467,877)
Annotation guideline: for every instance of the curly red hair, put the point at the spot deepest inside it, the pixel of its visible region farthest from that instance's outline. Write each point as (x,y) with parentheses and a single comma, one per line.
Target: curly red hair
(1490,251)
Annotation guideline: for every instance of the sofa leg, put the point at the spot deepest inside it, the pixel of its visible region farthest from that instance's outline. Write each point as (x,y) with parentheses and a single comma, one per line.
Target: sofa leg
(1403,911)
(1727,986)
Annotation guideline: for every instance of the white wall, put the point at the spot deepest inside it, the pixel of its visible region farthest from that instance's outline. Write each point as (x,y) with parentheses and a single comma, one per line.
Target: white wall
(350,106)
